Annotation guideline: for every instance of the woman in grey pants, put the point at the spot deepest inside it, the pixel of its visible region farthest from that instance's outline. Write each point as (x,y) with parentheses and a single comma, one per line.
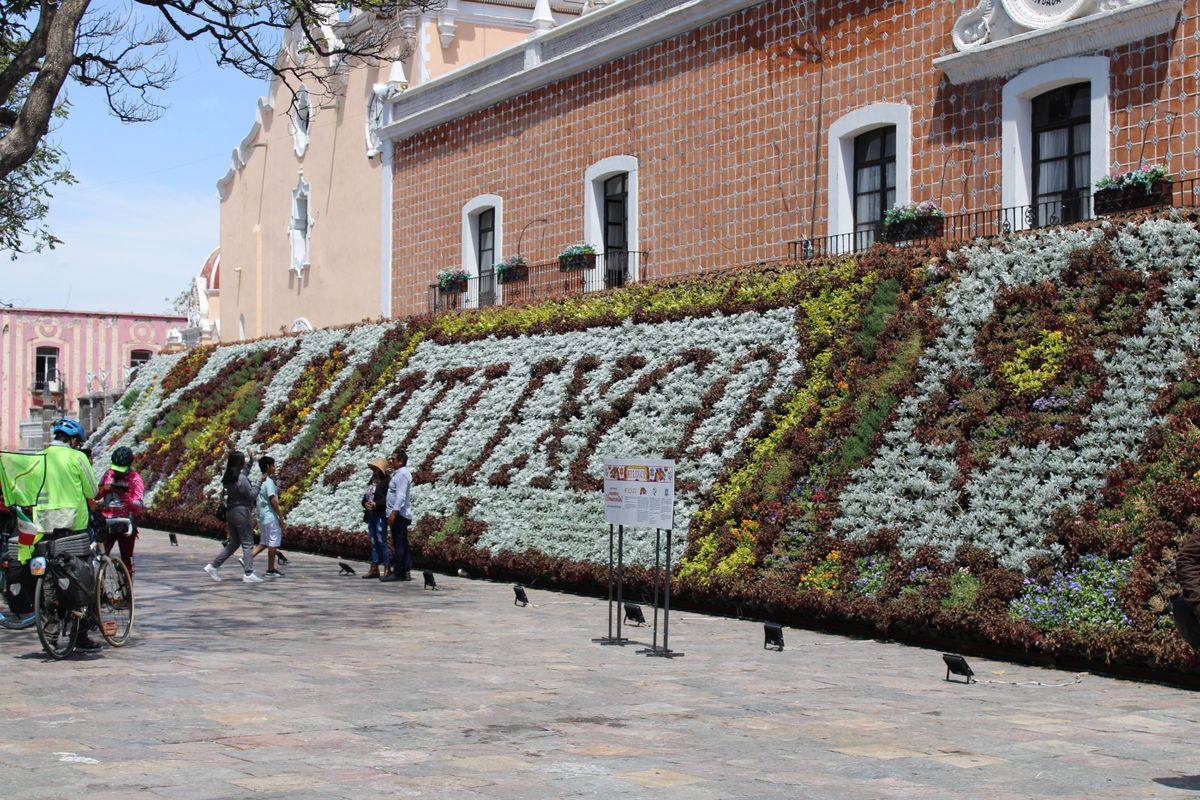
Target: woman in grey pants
(240,496)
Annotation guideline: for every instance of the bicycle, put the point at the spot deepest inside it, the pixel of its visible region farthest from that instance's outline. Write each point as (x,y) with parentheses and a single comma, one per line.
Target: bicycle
(111,602)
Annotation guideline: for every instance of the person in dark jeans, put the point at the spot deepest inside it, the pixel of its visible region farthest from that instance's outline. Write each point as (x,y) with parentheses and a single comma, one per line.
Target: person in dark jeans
(399,516)
(241,499)
(374,504)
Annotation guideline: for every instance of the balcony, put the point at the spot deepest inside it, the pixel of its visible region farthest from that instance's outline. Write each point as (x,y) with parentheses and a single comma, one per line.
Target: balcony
(541,281)
(966,227)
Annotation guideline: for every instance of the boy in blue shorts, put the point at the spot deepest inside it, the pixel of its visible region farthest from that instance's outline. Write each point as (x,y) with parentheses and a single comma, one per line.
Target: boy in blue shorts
(270,518)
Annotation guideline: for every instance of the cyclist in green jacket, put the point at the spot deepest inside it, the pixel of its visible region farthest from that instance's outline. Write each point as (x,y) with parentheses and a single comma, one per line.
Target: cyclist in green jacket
(67,495)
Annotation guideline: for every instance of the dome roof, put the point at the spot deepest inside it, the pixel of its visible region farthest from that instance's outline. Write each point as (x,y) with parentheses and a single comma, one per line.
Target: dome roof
(211,273)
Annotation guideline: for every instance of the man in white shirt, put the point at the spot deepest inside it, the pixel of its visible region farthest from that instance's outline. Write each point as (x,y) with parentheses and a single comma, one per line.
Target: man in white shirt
(399,516)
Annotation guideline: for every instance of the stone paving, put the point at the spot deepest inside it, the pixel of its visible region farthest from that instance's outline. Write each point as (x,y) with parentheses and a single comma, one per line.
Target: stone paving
(319,686)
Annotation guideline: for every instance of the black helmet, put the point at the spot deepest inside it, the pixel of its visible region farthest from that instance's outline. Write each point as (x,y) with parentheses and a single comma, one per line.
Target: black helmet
(122,457)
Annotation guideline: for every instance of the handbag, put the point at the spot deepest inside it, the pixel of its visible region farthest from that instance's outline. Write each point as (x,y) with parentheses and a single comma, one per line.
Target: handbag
(221,511)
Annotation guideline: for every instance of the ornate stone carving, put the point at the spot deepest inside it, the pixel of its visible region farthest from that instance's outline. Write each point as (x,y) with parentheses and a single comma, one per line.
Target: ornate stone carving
(1003,37)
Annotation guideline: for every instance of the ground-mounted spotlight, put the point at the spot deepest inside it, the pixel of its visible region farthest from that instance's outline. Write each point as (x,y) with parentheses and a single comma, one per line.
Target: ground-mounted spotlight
(346,568)
(430,583)
(957,665)
(633,613)
(772,636)
(521,598)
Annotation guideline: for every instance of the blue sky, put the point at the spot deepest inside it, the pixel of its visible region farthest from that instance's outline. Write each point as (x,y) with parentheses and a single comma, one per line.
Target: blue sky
(144,214)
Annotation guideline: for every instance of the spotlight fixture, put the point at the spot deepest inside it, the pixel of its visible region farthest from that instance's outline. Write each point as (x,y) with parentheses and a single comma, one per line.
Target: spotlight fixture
(346,568)
(430,583)
(772,636)
(633,613)
(957,665)
(521,598)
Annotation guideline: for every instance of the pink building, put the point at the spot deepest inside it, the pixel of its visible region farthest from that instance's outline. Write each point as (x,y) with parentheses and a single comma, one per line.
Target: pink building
(60,355)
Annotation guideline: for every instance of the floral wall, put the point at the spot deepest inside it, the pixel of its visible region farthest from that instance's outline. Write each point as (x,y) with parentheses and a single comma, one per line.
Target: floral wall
(994,445)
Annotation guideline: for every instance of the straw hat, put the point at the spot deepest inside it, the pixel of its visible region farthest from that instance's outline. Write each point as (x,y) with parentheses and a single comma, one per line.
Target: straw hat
(380,464)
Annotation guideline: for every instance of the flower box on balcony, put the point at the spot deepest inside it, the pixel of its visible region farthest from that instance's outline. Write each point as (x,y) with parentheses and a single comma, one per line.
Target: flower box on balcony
(577,257)
(1127,197)
(452,281)
(914,229)
(512,270)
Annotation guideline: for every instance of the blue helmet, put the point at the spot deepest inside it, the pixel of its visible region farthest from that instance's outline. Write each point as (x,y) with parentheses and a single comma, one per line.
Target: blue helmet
(70,428)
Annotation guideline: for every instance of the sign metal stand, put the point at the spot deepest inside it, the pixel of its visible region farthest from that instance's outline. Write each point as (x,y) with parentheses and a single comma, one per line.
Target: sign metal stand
(620,579)
(654,650)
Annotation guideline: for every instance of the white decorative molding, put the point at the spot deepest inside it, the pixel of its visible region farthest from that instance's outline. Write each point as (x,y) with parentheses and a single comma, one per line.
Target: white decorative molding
(1003,37)
(1016,127)
(542,19)
(376,111)
(446,22)
(840,201)
(241,154)
(567,50)
(301,119)
(300,227)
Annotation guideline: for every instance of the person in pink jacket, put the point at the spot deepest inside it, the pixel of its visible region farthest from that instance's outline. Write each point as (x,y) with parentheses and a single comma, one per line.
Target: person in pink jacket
(120,494)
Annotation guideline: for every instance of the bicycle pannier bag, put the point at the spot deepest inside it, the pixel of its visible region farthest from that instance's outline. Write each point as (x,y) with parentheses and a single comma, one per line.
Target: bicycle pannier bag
(19,587)
(74,580)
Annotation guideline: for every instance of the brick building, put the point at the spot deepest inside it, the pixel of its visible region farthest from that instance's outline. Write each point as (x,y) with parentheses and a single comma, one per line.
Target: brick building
(707,133)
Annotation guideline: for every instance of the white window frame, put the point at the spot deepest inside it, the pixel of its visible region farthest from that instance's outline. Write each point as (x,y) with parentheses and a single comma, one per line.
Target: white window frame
(840,198)
(301,125)
(1016,134)
(300,325)
(470,242)
(300,259)
(593,206)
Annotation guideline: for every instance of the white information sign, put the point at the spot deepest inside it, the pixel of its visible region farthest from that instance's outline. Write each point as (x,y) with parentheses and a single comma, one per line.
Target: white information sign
(639,492)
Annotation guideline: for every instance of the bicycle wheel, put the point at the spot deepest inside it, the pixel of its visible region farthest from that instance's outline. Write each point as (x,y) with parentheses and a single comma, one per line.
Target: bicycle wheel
(114,602)
(56,626)
(14,622)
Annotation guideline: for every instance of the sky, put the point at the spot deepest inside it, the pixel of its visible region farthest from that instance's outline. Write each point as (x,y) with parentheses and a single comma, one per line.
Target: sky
(143,217)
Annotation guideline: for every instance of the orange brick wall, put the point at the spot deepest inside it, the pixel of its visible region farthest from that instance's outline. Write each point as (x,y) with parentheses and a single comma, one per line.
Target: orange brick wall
(729,124)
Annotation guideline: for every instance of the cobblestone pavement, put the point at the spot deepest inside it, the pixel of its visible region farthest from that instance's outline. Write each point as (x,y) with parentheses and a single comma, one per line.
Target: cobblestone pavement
(319,686)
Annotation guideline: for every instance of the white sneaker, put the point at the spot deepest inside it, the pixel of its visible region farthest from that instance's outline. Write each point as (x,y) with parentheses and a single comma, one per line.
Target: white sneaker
(251,578)
(212,572)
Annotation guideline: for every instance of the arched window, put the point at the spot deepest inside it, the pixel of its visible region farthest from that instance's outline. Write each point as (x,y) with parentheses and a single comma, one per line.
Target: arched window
(301,120)
(482,245)
(610,217)
(870,167)
(301,325)
(874,181)
(1054,139)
